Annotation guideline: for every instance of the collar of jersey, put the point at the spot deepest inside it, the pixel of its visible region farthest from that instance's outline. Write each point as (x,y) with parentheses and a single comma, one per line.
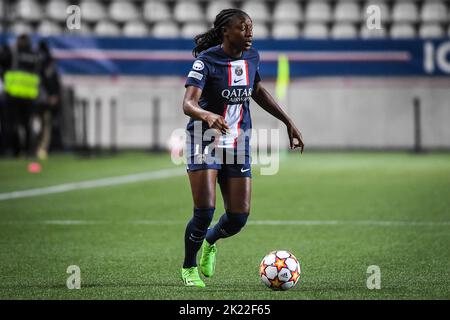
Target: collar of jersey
(229,57)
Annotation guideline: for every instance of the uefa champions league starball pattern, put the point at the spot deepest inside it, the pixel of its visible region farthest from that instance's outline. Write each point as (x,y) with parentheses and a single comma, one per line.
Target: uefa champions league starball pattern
(280,270)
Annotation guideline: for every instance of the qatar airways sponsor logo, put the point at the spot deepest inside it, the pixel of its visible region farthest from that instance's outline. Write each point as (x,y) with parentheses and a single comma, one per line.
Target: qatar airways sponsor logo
(237,95)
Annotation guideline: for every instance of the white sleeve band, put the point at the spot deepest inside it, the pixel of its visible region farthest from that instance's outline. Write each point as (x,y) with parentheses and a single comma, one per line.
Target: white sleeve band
(196,75)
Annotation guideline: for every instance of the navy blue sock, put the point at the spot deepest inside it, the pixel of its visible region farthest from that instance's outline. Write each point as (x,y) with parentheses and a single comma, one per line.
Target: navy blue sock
(229,224)
(195,233)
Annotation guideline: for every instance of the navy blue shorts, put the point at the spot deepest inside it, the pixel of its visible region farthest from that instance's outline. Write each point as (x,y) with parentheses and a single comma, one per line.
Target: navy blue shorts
(226,161)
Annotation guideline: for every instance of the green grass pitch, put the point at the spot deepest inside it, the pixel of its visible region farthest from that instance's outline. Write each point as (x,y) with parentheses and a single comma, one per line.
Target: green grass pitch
(337,212)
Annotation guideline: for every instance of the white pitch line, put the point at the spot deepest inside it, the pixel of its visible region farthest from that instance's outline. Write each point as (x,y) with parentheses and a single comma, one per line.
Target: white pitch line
(294,222)
(380,223)
(349,222)
(72,222)
(106,182)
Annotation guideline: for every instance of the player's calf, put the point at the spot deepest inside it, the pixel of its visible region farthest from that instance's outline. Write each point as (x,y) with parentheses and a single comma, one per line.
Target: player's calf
(228,225)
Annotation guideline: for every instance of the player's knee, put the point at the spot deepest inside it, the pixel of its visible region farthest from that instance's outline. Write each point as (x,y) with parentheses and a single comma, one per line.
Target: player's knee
(205,202)
(202,218)
(244,206)
(236,221)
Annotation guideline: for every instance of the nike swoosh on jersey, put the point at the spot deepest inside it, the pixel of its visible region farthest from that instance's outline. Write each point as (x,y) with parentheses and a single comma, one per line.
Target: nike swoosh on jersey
(244,170)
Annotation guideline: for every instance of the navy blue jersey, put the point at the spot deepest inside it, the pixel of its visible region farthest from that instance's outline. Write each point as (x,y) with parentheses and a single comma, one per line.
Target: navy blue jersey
(227,85)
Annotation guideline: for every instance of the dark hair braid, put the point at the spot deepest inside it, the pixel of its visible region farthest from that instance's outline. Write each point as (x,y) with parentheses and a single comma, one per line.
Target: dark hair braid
(214,36)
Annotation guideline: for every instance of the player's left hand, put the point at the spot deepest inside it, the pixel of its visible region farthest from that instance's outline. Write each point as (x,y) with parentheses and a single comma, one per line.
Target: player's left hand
(295,137)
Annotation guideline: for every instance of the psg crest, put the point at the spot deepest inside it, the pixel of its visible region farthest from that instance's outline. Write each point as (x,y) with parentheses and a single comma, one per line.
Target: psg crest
(238,71)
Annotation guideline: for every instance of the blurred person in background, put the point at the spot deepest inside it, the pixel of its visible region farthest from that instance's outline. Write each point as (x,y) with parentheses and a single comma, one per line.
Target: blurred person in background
(5,124)
(3,114)
(21,80)
(49,100)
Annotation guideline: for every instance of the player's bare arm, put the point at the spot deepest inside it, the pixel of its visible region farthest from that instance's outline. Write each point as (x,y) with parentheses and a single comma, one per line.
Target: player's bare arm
(263,98)
(193,110)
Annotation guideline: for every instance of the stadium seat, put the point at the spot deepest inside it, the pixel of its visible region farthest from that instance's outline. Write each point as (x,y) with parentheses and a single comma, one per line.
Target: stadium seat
(28,10)
(191,29)
(260,30)
(123,11)
(214,7)
(257,10)
(287,11)
(343,30)
(85,30)
(135,29)
(318,11)
(285,30)
(106,28)
(56,10)
(431,30)
(156,11)
(405,11)
(347,11)
(384,10)
(47,28)
(434,11)
(188,11)
(165,29)
(315,30)
(366,33)
(402,30)
(92,11)
(21,27)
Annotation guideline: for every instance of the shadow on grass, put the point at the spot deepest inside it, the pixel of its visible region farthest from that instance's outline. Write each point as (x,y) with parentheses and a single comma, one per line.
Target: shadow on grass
(138,285)
(214,287)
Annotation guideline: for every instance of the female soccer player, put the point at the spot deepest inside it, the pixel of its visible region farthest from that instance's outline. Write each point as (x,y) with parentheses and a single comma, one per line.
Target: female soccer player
(218,88)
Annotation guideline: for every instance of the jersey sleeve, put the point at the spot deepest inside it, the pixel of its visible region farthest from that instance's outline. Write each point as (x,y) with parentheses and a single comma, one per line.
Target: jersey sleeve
(257,76)
(198,74)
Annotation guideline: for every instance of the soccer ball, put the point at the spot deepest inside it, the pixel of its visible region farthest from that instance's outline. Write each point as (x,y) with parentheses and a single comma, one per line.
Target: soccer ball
(280,270)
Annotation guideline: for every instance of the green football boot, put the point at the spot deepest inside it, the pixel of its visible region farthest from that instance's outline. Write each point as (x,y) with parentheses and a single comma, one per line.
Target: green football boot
(191,277)
(208,259)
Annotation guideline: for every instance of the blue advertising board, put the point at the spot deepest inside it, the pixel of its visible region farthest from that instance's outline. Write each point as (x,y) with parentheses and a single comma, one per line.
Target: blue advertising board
(307,58)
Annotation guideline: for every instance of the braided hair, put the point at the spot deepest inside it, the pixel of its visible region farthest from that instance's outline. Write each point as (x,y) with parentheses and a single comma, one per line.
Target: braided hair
(214,36)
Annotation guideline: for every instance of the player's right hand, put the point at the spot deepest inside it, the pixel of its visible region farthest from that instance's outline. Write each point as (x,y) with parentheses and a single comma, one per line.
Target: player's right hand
(217,122)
